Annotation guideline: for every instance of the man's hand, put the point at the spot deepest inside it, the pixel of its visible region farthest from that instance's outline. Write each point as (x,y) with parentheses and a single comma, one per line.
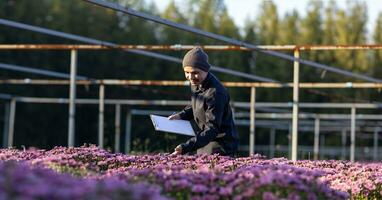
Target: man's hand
(178,150)
(174,116)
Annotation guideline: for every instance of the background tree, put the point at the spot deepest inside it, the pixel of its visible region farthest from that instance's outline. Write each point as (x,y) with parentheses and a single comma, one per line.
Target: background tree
(311,25)
(290,30)
(351,29)
(329,31)
(377,57)
(377,36)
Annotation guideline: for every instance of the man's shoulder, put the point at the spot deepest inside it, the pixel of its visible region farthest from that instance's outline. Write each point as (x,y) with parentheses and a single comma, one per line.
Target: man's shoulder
(218,91)
(217,85)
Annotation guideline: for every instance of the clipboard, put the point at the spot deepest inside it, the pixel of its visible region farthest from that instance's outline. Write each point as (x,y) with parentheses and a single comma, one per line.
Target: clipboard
(182,127)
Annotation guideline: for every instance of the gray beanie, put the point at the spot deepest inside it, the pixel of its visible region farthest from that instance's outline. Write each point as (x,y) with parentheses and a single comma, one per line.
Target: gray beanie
(196,57)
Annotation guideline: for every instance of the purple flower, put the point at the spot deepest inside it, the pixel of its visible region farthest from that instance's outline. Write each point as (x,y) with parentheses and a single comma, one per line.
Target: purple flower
(269,196)
(199,188)
(100,174)
(293,196)
(225,191)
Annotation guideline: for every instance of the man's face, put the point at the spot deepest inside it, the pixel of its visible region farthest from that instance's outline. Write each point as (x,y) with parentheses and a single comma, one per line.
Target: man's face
(194,75)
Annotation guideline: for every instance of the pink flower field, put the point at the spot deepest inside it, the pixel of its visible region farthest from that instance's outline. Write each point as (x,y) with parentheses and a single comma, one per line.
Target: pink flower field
(91,173)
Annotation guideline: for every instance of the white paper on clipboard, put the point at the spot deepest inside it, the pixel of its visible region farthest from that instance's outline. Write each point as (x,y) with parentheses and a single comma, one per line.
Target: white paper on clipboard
(174,126)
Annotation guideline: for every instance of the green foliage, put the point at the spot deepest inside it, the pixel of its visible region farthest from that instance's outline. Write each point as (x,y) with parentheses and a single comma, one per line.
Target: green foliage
(289,29)
(268,21)
(377,69)
(351,29)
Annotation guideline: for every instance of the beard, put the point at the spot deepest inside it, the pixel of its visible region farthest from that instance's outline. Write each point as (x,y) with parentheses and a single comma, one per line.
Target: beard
(194,81)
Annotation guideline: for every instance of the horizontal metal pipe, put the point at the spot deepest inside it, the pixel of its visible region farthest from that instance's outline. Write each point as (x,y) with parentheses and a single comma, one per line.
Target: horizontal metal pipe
(333,120)
(307,122)
(149,112)
(5,96)
(38,71)
(311,105)
(327,150)
(178,47)
(177,103)
(321,116)
(186,83)
(339,123)
(107,101)
(182,103)
(305,128)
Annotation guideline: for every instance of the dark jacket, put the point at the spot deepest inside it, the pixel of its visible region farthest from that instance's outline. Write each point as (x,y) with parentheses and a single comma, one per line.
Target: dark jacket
(211,111)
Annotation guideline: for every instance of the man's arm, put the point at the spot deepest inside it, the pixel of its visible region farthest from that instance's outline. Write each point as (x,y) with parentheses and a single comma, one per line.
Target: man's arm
(214,114)
(186,113)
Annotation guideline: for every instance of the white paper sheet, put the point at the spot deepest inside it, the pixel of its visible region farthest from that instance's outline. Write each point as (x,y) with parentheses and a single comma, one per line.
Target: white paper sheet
(174,126)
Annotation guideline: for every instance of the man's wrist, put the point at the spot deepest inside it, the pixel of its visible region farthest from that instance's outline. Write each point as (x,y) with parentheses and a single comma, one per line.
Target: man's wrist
(183,146)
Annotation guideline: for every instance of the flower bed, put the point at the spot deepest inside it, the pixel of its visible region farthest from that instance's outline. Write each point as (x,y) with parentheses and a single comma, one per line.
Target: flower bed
(86,172)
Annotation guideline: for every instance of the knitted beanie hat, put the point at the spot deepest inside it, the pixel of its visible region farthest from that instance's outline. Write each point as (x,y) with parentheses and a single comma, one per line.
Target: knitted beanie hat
(196,57)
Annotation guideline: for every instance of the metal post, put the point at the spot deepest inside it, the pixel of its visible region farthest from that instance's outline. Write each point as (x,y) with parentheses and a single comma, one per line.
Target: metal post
(72,97)
(290,141)
(128,132)
(316,137)
(272,143)
(322,144)
(117,127)
(352,134)
(252,122)
(11,126)
(375,149)
(343,141)
(296,72)
(101,109)
(233,110)
(6,124)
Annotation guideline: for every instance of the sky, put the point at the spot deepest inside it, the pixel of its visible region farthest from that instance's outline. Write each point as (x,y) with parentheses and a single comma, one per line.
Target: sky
(240,10)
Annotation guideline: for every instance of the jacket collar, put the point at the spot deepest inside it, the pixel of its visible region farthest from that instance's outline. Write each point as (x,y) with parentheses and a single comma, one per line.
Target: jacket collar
(203,86)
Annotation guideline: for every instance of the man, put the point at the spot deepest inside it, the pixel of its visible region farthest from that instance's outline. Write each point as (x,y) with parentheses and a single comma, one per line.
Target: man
(210,109)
